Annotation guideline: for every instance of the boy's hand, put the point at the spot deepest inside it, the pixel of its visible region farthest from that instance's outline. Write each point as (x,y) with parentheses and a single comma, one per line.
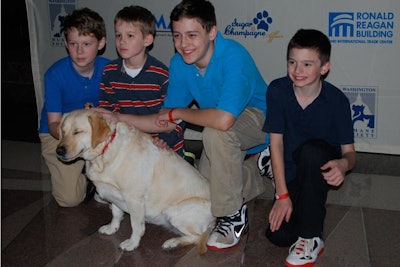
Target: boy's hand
(163,114)
(334,171)
(107,114)
(89,105)
(166,115)
(160,143)
(281,210)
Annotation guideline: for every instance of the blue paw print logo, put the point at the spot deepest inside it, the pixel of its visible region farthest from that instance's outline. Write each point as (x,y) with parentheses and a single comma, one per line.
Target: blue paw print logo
(262,20)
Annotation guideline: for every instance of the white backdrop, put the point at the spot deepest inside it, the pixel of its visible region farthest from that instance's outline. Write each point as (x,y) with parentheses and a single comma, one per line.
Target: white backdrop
(365,48)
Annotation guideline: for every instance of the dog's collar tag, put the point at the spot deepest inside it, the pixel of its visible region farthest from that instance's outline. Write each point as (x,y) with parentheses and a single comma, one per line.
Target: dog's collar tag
(109,142)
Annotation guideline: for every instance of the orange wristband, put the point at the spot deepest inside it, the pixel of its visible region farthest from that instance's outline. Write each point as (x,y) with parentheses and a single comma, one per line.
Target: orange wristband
(171,119)
(280,197)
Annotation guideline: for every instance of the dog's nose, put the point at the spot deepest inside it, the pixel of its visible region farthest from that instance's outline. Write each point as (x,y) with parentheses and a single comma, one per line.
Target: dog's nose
(60,150)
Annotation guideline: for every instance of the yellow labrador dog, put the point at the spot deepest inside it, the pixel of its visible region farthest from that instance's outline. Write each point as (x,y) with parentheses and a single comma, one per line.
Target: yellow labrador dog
(152,184)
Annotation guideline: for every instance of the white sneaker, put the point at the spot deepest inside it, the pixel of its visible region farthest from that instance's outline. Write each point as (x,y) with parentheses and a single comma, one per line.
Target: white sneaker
(305,252)
(228,230)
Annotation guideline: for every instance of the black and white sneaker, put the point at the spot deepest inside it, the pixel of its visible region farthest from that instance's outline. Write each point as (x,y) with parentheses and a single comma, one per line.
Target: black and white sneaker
(264,164)
(228,230)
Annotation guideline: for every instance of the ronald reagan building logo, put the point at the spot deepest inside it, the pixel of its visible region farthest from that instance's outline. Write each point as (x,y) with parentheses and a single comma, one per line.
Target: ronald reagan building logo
(361,27)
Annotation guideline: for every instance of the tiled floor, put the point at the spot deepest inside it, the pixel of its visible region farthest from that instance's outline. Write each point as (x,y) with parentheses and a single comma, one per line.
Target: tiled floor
(362,225)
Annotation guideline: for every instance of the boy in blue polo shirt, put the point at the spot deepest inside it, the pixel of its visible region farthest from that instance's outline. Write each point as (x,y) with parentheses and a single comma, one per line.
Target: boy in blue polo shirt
(69,84)
(221,76)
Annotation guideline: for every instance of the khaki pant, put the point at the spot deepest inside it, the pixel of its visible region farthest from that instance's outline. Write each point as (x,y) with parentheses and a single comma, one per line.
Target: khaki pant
(233,179)
(68,182)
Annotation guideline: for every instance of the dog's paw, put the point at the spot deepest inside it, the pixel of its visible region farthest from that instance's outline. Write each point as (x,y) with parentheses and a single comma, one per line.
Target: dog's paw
(108,229)
(128,245)
(171,244)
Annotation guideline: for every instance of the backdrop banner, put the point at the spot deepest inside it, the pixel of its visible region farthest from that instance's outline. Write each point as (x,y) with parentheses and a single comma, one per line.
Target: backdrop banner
(364,36)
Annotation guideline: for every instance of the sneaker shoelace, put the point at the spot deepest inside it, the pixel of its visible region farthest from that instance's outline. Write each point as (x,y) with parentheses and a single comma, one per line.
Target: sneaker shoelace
(303,246)
(223,223)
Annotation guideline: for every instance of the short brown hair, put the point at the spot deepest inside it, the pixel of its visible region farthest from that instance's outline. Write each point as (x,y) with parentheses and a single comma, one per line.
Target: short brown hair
(86,21)
(201,10)
(139,15)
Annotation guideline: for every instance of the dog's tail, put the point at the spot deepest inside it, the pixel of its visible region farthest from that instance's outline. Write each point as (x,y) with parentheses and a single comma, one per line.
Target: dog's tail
(202,244)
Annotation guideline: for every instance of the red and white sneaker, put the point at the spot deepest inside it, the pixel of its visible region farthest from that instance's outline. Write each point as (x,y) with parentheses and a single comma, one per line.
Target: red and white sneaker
(305,252)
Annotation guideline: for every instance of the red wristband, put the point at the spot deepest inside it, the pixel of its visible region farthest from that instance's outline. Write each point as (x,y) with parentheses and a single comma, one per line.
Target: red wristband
(280,197)
(171,119)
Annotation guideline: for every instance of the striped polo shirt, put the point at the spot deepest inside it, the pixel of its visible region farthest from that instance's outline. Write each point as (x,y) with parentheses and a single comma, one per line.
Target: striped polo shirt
(141,95)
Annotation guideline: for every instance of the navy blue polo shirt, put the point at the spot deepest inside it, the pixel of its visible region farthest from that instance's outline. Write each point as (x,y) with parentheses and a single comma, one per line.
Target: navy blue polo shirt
(328,117)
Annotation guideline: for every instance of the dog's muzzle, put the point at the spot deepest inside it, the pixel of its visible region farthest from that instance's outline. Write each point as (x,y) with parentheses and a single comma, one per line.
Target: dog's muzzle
(61,152)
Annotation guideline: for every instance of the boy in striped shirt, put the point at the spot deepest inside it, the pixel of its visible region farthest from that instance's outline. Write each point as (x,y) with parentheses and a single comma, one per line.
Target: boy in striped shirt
(135,84)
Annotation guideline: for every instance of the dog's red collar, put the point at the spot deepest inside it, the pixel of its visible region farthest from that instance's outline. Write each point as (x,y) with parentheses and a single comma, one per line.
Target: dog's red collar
(109,142)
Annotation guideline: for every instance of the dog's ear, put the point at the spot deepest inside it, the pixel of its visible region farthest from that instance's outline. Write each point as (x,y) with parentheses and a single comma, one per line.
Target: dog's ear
(100,129)
(60,125)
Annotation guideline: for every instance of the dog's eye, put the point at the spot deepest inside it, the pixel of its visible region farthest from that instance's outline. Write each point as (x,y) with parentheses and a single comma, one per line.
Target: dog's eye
(77,132)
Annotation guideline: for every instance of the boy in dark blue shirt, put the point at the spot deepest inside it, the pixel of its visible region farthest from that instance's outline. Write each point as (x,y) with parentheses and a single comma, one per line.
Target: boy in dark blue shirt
(311,144)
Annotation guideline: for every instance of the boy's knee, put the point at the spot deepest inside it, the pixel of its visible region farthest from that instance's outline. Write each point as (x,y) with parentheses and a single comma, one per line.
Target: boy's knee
(68,201)
(209,134)
(213,136)
(314,146)
(315,151)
